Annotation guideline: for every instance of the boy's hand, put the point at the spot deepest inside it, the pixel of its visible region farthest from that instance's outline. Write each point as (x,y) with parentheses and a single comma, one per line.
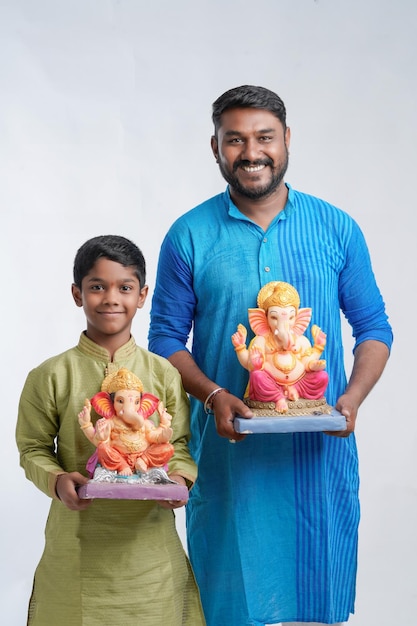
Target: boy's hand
(174,504)
(66,490)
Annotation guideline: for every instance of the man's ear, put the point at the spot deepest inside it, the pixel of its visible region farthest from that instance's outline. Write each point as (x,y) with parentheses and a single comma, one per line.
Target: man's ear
(142,296)
(76,294)
(287,137)
(215,147)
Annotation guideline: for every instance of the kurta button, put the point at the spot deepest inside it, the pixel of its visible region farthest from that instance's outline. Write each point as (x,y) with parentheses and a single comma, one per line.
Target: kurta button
(265,239)
(267,269)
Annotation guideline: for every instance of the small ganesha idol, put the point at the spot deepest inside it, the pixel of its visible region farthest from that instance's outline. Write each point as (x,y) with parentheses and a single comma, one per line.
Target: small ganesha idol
(127,442)
(286,372)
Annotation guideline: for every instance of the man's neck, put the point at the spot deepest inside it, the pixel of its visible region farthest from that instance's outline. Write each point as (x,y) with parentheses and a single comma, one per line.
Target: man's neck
(263,210)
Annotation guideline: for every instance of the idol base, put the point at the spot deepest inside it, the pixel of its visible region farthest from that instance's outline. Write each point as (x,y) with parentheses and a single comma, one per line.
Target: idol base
(302,416)
(154,484)
(120,491)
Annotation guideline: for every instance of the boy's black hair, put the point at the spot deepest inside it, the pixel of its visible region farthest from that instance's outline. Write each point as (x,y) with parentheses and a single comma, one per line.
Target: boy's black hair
(112,247)
(250,97)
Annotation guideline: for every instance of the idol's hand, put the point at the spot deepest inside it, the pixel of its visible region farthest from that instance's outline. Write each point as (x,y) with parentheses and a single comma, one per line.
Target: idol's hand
(239,338)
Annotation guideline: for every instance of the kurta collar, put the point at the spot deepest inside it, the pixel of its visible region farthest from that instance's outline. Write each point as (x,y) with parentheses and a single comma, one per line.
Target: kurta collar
(282,215)
(98,353)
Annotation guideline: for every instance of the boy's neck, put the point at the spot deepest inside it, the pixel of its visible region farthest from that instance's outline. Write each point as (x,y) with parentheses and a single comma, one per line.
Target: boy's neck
(110,343)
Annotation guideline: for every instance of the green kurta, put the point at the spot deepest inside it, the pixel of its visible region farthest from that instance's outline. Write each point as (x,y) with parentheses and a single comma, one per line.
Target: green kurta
(120,562)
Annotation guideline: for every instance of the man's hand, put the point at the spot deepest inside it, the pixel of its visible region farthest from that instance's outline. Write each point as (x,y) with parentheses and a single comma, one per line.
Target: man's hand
(226,407)
(346,406)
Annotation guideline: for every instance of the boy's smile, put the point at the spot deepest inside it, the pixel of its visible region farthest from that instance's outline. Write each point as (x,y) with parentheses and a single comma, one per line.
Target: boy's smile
(110,296)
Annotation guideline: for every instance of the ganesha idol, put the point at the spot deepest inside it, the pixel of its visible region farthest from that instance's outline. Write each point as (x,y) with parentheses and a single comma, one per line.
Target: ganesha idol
(286,372)
(127,441)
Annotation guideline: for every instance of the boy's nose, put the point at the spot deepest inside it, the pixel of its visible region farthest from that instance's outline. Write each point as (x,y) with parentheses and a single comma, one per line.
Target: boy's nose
(111,296)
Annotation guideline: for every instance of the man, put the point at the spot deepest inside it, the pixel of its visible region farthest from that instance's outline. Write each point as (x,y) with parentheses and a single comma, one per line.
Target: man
(272,521)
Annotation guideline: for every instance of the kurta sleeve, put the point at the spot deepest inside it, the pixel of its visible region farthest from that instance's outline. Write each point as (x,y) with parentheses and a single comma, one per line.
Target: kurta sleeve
(360,297)
(36,432)
(173,303)
(177,405)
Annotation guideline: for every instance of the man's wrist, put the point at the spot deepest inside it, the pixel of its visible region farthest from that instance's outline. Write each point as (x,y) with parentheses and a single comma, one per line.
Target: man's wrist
(208,404)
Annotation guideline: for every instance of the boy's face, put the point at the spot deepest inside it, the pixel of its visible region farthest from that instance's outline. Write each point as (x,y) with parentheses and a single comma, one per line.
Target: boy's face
(110,296)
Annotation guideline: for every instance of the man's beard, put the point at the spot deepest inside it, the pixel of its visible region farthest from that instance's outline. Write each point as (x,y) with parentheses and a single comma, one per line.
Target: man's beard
(260,192)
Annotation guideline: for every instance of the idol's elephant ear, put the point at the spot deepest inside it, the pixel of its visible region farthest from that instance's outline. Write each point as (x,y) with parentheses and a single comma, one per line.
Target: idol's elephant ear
(258,321)
(103,405)
(148,405)
(302,321)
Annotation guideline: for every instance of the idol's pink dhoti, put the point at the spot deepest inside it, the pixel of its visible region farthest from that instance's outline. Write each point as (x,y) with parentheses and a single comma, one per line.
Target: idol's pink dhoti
(264,388)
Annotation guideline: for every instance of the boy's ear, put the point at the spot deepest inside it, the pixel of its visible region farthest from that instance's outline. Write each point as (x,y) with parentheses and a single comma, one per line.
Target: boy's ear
(142,296)
(76,294)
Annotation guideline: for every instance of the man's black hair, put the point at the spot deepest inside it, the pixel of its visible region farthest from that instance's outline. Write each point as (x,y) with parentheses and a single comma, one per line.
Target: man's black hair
(248,96)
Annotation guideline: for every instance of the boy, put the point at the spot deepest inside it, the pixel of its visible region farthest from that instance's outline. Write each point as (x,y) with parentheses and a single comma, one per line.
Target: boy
(105,562)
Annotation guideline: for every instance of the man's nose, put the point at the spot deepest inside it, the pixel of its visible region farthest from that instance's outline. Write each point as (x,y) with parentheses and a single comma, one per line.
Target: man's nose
(251,150)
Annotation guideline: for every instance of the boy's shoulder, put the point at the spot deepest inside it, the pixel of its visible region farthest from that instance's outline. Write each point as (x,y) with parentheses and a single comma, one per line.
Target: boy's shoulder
(52,362)
(155,359)
(55,364)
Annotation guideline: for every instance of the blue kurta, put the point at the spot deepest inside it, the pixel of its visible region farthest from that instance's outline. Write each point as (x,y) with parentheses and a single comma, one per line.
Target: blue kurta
(272,522)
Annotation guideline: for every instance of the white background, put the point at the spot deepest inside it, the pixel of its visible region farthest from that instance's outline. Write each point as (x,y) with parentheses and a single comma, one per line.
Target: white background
(105,128)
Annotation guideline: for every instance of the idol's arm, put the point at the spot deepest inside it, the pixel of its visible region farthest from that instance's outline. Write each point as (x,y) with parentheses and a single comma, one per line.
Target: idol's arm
(369,362)
(225,405)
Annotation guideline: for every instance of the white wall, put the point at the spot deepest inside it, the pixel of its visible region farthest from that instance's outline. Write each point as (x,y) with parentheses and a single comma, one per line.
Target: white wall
(105,128)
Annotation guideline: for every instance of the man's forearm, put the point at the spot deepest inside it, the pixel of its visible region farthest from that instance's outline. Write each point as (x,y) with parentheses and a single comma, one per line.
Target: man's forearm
(195,382)
(369,362)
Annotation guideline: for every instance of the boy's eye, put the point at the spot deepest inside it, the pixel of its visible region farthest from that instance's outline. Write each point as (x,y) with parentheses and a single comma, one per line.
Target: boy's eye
(96,287)
(126,288)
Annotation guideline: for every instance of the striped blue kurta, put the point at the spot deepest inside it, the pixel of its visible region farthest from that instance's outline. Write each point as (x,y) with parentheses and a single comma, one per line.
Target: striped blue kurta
(272,521)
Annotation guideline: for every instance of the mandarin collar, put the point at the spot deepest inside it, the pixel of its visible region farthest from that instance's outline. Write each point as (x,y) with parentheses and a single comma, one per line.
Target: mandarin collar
(98,353)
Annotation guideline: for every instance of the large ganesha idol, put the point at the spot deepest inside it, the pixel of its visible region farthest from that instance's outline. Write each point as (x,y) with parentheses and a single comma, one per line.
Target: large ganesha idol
(286,372)
(127,441)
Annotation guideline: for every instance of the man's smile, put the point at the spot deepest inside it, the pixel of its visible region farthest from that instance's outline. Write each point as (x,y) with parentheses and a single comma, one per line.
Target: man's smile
(253,168)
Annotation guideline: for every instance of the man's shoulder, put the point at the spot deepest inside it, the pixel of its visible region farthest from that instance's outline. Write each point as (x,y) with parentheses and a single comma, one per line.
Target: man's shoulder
(318,209)
(205,210)
(301,198)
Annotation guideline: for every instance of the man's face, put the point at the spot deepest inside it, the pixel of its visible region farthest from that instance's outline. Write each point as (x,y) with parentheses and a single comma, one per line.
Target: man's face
(251,149)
